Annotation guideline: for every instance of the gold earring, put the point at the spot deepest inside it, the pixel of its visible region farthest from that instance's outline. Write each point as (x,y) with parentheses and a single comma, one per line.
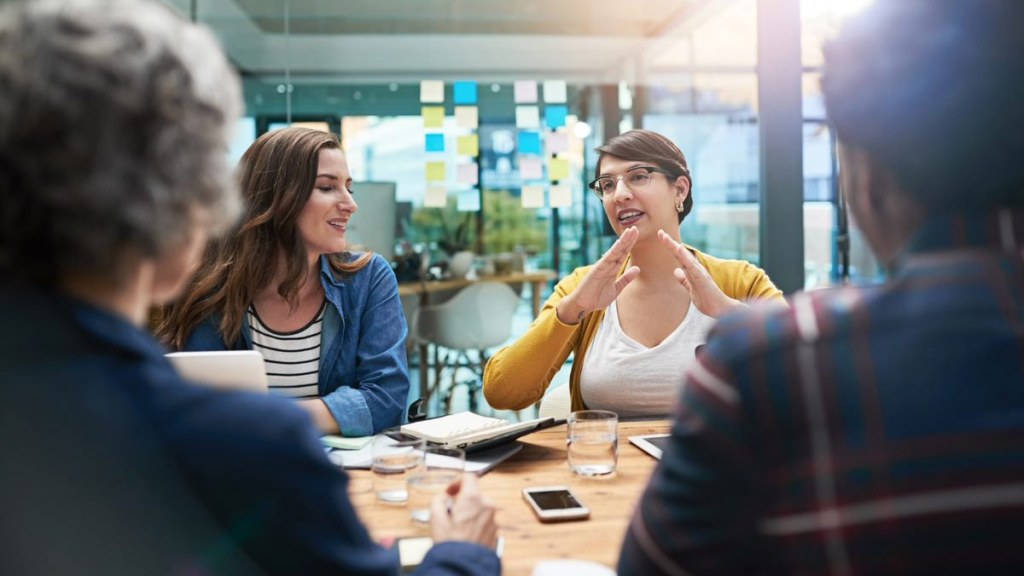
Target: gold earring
(680,207)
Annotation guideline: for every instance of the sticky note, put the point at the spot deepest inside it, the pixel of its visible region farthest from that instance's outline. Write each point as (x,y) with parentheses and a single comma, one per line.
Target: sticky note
(554,116)
(464,92)
(533,196)
(529,142)
(468,145)
(530,168)
(554,91)
(432,91)
(435,171)
(436,197)
(469,201)
(468,174)
(557,142)
(527,117)
(558,169)
(467,116)
(560,196)
(525,91)
(433,116)
(434,143)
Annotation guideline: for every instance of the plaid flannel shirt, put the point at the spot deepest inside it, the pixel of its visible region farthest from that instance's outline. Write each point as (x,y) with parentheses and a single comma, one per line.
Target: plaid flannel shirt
(860,431)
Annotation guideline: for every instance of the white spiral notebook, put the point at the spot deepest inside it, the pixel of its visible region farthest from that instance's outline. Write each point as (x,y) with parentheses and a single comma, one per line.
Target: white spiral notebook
(468,430)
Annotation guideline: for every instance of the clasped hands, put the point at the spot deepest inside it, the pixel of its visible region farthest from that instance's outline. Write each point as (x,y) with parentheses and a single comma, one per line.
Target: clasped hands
(603,284)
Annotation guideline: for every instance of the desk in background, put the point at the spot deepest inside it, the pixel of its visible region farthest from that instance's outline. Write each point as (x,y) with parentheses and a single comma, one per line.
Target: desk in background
(424,289)
(542,462)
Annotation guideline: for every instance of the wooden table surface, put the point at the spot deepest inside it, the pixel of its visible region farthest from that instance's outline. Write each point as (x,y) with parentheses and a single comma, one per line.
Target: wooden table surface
(542,462)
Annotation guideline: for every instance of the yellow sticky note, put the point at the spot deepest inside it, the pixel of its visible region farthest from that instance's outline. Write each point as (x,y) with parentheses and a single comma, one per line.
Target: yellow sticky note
(433,116)
(435,171)
(558,169)
(469,145)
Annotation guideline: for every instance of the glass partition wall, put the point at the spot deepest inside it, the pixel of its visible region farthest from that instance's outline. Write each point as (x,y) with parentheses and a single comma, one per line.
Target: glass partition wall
(694,70)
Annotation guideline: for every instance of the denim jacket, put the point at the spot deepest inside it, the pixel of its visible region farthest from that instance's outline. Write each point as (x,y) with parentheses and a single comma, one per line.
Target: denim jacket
(364,375)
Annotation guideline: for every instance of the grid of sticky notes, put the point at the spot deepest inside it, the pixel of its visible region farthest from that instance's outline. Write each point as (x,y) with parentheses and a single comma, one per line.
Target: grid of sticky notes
(440,141)
(542,143)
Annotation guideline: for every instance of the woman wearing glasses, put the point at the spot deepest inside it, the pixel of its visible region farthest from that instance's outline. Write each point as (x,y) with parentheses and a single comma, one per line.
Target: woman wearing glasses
(636,317)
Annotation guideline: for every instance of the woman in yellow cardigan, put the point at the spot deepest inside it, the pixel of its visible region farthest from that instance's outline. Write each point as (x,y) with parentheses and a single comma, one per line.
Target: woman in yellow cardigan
(635,318)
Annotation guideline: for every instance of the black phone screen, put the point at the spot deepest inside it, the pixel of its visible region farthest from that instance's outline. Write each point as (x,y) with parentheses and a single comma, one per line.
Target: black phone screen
(555,500)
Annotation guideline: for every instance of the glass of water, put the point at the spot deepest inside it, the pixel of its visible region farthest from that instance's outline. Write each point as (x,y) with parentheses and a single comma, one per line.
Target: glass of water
(392,463)
(593,442)
(440,467)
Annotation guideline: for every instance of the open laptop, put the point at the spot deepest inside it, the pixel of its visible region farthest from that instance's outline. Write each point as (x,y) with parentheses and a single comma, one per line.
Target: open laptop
(228,370)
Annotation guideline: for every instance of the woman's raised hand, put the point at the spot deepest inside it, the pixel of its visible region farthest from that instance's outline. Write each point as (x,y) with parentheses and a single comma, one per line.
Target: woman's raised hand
(706,295)
(602,284)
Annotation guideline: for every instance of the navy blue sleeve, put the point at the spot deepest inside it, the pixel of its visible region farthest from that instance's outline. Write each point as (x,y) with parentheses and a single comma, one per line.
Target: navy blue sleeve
(259,466)
(459,558)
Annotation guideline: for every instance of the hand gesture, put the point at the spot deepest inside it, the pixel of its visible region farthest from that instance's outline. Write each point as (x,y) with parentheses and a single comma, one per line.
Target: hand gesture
(706,295)
(470,518)
(602,284)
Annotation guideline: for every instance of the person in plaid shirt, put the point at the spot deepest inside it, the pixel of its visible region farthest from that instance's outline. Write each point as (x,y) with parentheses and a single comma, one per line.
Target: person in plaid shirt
(876,430)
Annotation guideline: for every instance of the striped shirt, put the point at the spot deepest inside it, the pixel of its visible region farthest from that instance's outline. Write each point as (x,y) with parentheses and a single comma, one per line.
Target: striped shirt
(860,431)
(293,358)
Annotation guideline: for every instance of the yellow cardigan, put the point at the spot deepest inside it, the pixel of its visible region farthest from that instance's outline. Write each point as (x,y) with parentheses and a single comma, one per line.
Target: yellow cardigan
(518,374)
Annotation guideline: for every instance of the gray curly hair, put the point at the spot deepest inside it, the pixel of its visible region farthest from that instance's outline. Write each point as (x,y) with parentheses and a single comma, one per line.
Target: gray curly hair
(114,123)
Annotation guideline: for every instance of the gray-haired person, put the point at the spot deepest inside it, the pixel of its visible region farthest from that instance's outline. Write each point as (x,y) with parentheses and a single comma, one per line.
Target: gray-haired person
(114,123)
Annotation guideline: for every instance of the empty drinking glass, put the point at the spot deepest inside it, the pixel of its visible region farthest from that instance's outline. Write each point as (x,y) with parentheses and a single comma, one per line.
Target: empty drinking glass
(440,467)
(392,463)
(593,442)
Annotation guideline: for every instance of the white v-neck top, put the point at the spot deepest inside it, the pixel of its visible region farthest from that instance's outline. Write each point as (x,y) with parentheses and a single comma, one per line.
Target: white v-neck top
(632,380)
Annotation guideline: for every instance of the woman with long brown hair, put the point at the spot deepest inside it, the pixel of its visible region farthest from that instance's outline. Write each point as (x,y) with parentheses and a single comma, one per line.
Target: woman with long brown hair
(328,322)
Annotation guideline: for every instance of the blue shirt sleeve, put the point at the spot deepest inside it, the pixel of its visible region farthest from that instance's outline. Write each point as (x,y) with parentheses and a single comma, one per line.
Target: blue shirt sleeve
(373,357)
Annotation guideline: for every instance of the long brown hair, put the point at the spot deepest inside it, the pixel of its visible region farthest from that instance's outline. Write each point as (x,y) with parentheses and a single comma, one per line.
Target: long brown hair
(276,176)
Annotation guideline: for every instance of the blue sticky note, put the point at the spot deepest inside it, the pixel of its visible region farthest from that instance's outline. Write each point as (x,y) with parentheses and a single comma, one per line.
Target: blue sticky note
(554,116)
(464,92)
(529,142)
(435,143)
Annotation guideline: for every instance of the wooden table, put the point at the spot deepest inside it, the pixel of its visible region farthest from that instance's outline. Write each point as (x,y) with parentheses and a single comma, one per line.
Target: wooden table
(424,289)
(542,462)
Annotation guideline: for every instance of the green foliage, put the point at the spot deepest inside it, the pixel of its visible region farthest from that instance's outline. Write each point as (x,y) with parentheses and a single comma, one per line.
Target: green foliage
(451,230)
(507,226)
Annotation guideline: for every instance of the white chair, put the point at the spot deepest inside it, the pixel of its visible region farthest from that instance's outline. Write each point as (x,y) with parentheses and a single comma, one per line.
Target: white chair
(477,318)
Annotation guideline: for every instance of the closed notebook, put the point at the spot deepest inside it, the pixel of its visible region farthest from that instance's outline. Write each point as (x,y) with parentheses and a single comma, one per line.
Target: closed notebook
(466,429)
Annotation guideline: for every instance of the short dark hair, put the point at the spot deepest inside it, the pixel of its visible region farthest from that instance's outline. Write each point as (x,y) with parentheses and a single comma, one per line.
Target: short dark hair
(649,146)
(931,90)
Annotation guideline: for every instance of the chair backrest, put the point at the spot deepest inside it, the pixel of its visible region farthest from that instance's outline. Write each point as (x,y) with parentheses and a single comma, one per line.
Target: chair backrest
(478,317)
(556,403)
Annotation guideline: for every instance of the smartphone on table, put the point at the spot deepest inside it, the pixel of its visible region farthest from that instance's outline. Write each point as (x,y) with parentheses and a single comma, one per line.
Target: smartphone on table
(555,503)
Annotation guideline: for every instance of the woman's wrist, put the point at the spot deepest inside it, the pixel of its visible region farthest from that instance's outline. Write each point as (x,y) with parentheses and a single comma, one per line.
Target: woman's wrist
(730,305)
(569,312)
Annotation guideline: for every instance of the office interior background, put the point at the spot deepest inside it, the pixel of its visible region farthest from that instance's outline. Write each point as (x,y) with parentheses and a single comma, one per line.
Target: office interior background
(735,83)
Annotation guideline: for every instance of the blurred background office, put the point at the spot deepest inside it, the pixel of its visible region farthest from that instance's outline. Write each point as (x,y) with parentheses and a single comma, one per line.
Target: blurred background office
(469,126)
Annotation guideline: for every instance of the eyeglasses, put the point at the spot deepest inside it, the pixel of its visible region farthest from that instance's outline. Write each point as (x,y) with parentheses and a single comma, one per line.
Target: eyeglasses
(635,178)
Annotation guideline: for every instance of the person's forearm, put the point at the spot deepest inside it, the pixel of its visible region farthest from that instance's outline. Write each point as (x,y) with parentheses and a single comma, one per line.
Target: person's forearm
(322,418)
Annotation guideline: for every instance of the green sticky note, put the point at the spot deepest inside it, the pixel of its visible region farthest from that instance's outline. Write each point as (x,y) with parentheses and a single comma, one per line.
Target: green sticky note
(345,442)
